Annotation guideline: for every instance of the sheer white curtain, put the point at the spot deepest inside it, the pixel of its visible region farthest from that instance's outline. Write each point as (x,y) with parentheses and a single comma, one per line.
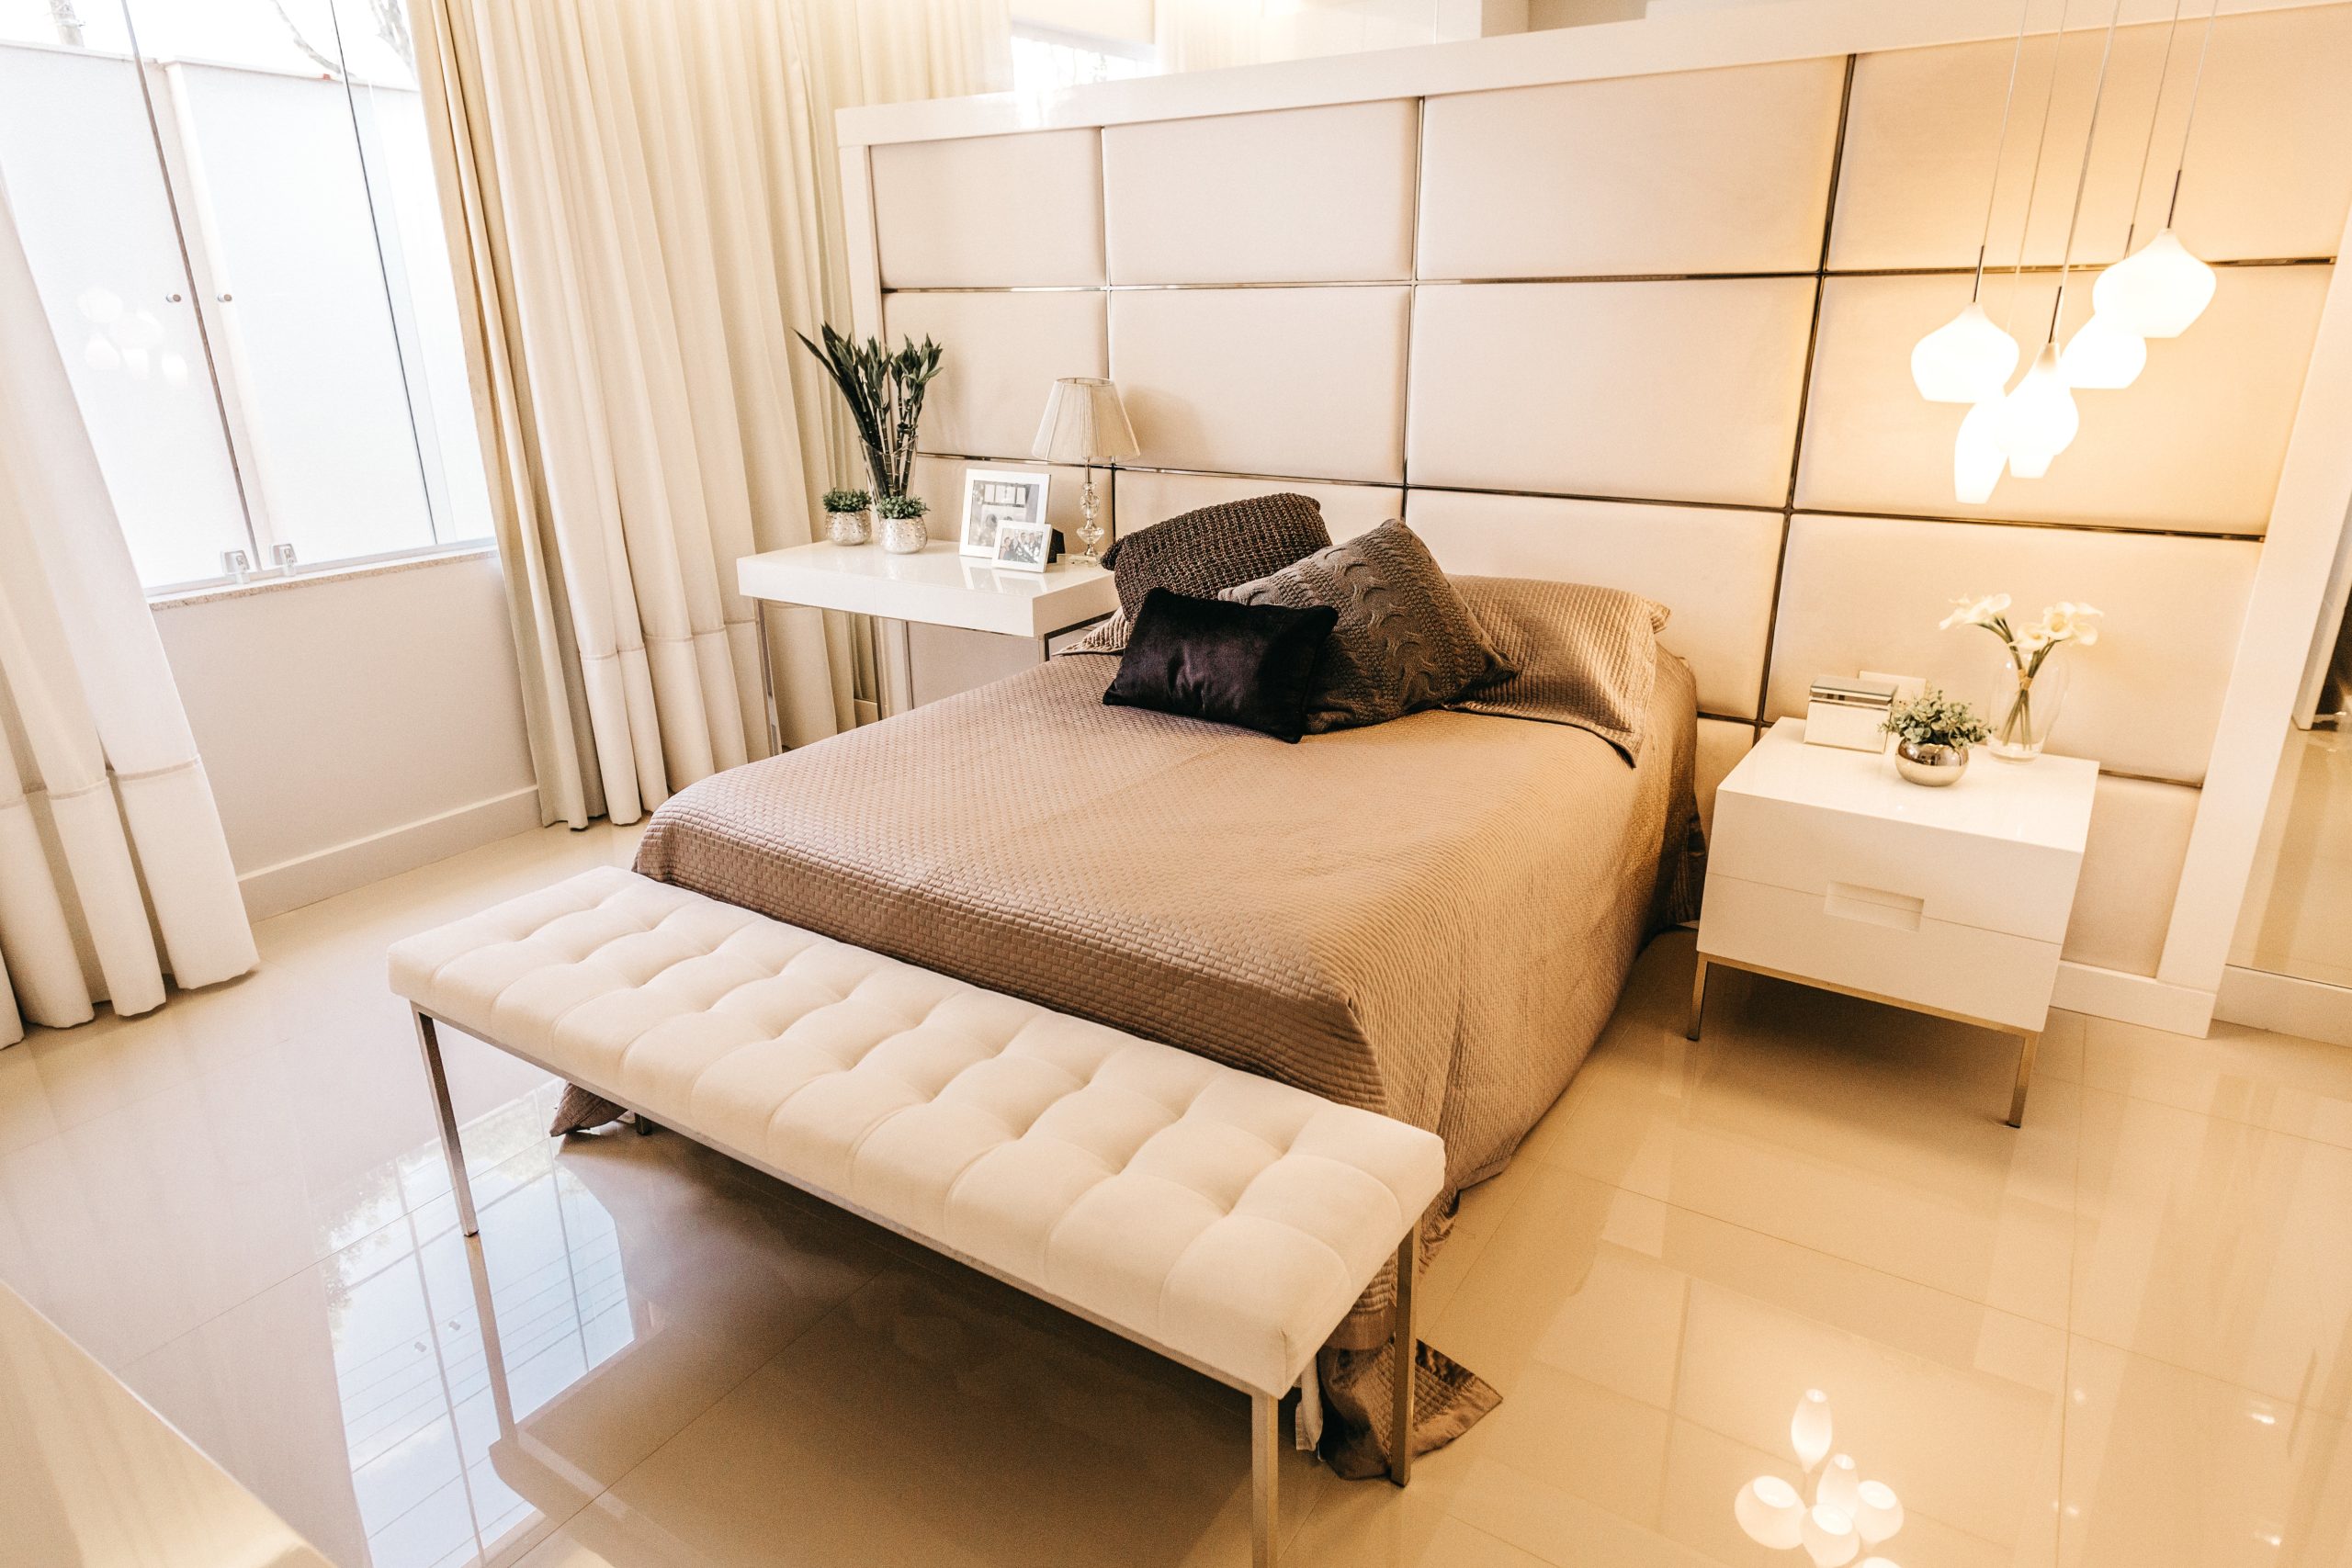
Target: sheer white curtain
(113,869)
(643,202)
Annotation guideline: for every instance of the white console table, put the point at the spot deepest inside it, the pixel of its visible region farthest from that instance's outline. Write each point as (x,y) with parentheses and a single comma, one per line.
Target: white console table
(937,587)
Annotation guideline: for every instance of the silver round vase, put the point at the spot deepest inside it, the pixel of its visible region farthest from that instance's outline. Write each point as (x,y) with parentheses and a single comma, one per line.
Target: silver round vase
(1932,766)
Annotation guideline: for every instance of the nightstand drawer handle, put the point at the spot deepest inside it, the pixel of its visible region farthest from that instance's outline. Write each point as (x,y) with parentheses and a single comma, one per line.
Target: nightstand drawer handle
(1874,905)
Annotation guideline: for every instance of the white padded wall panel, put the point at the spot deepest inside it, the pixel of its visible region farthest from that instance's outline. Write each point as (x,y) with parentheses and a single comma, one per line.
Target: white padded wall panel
(940,481)
(1710,566)
(1670,391)
(1695,170)
(1860,593)
(1721,746)
(1348,510)
(2270,169)
(2195,444)
(1305,381)
(1311,196)
(990,211)
(1003,353)
(2139,839)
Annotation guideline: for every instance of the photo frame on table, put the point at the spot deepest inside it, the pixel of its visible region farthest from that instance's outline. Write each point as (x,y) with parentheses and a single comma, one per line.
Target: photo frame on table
(994,496)
(1024,547)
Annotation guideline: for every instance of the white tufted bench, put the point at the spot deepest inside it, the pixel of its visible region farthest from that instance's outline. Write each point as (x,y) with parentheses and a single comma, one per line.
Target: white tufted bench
(1222,1219)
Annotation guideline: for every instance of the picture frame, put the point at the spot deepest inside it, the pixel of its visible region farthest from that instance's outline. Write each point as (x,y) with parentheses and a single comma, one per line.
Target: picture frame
(994,496)
(1024,547)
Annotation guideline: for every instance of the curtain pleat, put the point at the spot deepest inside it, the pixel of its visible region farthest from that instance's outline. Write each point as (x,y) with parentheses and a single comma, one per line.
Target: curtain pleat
(642,206)
(114,869)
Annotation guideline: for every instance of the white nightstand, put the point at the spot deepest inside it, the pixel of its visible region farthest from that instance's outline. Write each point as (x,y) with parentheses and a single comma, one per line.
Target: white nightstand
(1827,868)
(937,587)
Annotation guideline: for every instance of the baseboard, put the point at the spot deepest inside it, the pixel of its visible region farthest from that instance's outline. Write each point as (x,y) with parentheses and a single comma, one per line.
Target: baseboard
(2133,999)
(306,879)
(2290,1005)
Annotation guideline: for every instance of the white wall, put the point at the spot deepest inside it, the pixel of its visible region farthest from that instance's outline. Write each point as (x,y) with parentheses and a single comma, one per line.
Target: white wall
(355,726)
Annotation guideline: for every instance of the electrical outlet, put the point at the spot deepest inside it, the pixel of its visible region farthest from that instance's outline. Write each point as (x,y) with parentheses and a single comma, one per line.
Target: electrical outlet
(1906,686)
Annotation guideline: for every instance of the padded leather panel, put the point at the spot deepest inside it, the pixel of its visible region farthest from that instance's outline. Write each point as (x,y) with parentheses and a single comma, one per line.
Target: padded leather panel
(1695,170)
(2139,841)
(1348,510)
(994,211)
(1669,391)
(1299,196)
(1305,381)
(1228,1217)
(1003,351)
(2195,444)
(1713,568)
(1721,746)
(2270,169)
(1867,593)
(940,481)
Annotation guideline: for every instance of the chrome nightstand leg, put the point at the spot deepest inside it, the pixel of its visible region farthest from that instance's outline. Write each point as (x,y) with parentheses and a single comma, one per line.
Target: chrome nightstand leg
(2025,1078)
(767,679)
(1698,997)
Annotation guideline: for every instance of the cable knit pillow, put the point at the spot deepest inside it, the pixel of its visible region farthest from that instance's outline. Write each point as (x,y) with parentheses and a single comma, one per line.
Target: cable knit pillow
(1405,640)
(1582,655)
(1205,550)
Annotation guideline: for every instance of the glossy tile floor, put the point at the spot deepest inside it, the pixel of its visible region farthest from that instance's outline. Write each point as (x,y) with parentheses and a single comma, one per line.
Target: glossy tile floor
(2121,1336)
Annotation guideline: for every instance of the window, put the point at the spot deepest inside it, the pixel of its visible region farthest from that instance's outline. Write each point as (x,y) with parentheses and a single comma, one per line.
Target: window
(230,211)
(1046,59)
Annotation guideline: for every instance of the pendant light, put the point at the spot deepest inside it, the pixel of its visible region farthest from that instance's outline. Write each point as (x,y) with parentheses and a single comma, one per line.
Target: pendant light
(2039,420)
(2107,355)
(2160,289)
(1977,458)
(1968,359)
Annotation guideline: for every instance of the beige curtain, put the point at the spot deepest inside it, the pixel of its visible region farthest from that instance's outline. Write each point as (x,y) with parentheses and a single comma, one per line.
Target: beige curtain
(113,868)
(642,203)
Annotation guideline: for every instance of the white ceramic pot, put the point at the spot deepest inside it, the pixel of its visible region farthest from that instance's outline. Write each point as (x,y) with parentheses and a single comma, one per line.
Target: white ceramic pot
(849,528)
(904,536)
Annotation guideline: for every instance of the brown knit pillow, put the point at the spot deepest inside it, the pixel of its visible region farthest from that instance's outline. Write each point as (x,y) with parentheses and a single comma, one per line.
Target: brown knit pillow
(1584,656)
(1405,640)
(1203,552)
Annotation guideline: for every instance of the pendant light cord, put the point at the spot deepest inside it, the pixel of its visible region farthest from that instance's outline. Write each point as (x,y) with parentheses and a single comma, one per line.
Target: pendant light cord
(2001,145)
(2034,181)
(2155,113)
(2083,179)
(2195,87)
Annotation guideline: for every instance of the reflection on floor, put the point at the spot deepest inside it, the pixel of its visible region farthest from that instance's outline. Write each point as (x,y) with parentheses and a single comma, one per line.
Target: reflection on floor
(2122,1336)
(2298,915)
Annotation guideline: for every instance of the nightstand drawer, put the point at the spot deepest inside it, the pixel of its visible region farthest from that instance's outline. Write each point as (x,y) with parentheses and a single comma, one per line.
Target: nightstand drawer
(2006,886)
(1881,946)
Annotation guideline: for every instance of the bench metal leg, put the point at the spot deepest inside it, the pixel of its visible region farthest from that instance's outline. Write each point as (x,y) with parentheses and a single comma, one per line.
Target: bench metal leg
(1265,1454)
(1407,1363)
(1698,997)
(447,1115)
(2025,1078)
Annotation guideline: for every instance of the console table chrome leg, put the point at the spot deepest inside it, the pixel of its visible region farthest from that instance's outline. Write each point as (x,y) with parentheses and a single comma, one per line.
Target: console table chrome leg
(1265,1455)
(767,679)
(1698,997)
(1407,1359)
(445,1115)
(2025,1077)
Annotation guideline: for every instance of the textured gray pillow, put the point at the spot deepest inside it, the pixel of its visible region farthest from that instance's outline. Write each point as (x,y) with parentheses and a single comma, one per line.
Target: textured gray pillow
(1212,548)
(1405,641)
(1582,655)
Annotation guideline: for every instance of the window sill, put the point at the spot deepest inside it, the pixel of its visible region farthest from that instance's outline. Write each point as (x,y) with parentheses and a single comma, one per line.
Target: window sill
(209,593)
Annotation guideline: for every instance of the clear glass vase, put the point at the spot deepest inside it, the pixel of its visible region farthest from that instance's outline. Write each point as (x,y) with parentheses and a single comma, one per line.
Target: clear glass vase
(2023,710)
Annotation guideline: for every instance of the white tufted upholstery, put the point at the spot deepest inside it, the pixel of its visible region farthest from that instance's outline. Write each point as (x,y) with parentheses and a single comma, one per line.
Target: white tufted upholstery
(1223,1217)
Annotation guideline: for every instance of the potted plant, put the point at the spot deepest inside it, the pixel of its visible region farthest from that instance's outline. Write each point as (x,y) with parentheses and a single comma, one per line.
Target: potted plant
(848,516)
(1932,735)
(903,532)
(884,389)
(2026,697)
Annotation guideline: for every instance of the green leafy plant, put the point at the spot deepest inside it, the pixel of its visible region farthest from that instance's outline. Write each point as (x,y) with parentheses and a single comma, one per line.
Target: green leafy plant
(847,499)
(902,506)
(1932,718)
(884,389)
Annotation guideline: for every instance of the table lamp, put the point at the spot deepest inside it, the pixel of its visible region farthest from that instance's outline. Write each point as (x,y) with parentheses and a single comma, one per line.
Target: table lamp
(1085,423)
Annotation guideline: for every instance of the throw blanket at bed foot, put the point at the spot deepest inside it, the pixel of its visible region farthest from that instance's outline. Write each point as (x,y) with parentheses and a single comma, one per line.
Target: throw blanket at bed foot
(1430,917)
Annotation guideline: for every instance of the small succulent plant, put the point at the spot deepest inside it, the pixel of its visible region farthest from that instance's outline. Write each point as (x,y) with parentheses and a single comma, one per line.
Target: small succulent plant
(1932,718)
(902,506)
(847,499)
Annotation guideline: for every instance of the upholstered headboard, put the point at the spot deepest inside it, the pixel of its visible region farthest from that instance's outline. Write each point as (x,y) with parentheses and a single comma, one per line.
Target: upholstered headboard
(1650,327)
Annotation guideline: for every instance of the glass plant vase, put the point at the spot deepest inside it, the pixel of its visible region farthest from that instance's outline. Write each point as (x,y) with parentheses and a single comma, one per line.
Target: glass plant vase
(2022,709)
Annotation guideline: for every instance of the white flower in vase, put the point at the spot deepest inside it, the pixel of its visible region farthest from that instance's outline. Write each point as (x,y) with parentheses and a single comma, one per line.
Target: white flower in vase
(1975,612)
(2020,730)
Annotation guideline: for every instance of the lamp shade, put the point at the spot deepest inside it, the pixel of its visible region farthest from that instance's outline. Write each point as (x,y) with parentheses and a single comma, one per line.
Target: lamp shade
(2103,356)
(1771,1513)
(1809,1428)
(1965,360)
(1828,1537)
(2039,419)
(1977,459)
(2157,290)
(1084,422)
(1879,1513)
(1841,1486)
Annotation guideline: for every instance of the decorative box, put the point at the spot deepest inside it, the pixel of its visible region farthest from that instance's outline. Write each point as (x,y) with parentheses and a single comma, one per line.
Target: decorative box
(1848,713)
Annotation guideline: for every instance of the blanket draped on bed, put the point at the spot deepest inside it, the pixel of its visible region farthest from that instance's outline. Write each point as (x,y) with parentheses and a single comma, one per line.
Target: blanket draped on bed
(1430,917)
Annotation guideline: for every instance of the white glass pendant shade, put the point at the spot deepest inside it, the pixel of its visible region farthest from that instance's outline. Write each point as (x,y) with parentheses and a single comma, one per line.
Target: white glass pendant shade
(2104,357)
(1829,1538)
(2157,290)
(1965,360)
(1809,1428)
(1771,1513)
(1976,456)
(1841,1485)
(2039,419)
(1879,1513)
